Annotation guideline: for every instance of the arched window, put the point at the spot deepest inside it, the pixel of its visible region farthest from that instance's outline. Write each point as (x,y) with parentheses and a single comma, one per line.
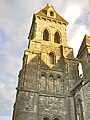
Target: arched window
(43,77)
(46,35)
(42,86)
(79,110)
(51,13)
(46,118)
(51,77)
(51,83)
(57,38)
(51,58)
(59,85)
(56,119)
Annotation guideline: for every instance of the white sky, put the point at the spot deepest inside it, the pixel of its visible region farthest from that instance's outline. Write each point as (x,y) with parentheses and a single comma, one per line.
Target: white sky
(15,20)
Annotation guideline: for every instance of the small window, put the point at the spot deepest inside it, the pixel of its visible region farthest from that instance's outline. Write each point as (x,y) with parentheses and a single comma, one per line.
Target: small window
(51,58)
(46,35)
(59,78)
(57,38)
(56,119)
(45,11)
(46,118)
(51,13)
(43,77)
(51,77)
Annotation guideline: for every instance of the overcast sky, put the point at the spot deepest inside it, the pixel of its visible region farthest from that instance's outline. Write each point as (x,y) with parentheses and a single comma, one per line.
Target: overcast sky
(15,22)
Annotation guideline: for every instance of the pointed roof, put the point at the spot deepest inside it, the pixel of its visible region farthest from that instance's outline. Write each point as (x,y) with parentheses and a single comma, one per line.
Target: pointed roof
(85,43)
(43,12)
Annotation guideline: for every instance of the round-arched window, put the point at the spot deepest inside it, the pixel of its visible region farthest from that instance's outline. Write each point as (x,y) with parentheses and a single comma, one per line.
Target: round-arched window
(42,83)
(46,35)
(56,119)
(43,77)
(51,77)
(46,118)
(58,78)
(57,38)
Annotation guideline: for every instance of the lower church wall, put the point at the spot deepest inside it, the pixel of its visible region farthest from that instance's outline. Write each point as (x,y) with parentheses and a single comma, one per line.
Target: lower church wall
(36,106)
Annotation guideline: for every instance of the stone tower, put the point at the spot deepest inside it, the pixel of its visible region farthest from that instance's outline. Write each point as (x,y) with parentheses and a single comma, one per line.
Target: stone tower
(48,73)
(84,57)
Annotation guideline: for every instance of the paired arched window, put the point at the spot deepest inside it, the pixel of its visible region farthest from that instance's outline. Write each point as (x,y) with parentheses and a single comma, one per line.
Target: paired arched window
(51,58)
(46,35)
(56,37)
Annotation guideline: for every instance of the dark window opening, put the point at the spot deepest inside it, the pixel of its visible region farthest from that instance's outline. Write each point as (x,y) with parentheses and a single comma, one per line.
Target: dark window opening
(51,13)
(51,78)
(57,38)
(58,78)
(46,118)
(43,77)
(45,35)
(45,12)
(56,119)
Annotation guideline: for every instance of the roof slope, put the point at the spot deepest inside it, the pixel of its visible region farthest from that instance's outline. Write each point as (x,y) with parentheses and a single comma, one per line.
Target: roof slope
(42,12)
(85,43)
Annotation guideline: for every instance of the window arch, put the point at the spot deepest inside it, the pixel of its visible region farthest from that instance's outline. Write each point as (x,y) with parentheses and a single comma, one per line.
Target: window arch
(56,37)
(42,84)
(43,77)
(56,119)
(46,35)
(59,86)
(51,83)
(51,58)
(45,118)
(51,77)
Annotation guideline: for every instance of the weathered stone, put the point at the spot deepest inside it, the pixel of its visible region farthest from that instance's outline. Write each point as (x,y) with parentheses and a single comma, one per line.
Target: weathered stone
(49,86)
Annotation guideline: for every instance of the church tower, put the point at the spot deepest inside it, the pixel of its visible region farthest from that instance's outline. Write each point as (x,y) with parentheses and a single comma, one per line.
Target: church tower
(48,72)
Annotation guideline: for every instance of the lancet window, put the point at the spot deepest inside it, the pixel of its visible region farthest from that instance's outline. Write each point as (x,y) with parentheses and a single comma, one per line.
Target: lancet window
(57,38)
(46,35)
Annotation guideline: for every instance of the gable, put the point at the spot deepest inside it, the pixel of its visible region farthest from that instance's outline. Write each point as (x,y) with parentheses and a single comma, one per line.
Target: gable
(50,12)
